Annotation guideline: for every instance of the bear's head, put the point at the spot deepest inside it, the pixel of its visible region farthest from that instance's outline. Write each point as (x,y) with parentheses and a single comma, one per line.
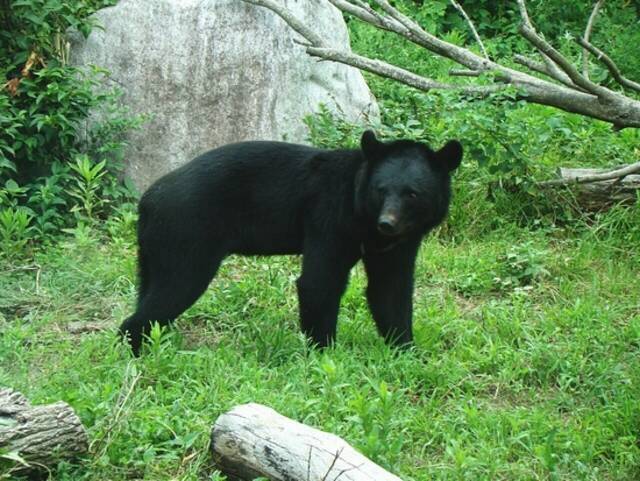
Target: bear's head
(406,186)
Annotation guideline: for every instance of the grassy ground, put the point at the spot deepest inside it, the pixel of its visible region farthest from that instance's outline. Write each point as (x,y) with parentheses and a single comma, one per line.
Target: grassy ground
(526,365)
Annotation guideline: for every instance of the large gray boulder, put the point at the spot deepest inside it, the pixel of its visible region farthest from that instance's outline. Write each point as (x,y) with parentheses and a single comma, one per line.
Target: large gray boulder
(210,72)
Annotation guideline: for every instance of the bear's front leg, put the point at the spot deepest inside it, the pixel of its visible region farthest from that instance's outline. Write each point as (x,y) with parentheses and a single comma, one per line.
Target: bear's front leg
(390,290)
(325,272)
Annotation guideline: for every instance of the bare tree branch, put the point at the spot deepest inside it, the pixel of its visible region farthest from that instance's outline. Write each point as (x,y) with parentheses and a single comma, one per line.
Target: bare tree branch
(536,66)
(319,48)
(573,92)
(524,13)
(552,68)
(290,19)
(416,34)
(396,73)
(529,32)
(367,14)
(563,63)
(368,8)
(614,174)
(610,64)
(471,26)
(409,24)
(545,69)
(587,35)
(459,72)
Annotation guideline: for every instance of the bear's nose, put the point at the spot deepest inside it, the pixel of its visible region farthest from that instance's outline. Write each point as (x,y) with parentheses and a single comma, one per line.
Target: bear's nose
(387,225)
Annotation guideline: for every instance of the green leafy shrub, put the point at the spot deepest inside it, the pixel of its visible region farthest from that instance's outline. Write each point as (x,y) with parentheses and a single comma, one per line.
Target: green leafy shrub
(382,439)
(521,266)
(14,229)
(61,130)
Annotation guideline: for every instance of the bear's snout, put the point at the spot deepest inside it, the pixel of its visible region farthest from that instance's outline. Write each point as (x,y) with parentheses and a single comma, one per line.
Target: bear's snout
(388,224)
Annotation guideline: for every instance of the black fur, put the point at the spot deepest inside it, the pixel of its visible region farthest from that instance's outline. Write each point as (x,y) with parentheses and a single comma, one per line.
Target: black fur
(334,207)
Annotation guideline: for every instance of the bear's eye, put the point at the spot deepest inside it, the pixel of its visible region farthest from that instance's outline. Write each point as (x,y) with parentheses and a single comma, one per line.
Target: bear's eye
(411,194)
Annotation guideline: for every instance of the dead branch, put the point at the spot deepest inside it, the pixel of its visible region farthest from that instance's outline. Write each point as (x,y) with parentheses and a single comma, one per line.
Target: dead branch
(610,64)
(459,8)
(290,19)
(566,87)
(594,177)
(319,48)
(363,11)
(593,190)
(551,67)
(396,73)
(587,35)
(545,69)
(253,441)
(458,72)
(528,31)
(38,437)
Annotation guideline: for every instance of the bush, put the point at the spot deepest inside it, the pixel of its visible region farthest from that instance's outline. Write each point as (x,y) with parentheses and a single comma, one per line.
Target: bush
(58,165)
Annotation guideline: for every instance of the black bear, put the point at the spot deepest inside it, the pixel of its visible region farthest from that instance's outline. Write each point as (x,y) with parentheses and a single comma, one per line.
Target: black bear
(334,207)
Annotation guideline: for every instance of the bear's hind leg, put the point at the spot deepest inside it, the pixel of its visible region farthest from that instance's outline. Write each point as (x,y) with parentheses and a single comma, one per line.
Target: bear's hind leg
(168,290)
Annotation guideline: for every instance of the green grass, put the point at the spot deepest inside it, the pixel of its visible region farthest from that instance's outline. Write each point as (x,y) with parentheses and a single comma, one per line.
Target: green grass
(526,365)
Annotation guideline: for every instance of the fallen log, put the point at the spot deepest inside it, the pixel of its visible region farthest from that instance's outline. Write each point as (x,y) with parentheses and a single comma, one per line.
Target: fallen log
(253,441)
(598,189)
(36,438)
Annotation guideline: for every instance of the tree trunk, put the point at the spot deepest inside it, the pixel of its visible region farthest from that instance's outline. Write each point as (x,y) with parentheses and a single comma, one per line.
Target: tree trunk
(253,440)
(40,436)
(602,194)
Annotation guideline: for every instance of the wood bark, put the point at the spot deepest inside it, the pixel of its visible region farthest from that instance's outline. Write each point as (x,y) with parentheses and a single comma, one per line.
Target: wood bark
(39,435)
(253,440)
(595,189)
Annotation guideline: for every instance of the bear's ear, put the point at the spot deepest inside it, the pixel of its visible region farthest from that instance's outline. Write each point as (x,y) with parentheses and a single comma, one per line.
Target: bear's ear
(450,155)
(370,145)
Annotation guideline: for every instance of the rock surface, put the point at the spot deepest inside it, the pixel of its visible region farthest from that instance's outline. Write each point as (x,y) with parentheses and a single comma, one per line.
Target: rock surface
(210,72)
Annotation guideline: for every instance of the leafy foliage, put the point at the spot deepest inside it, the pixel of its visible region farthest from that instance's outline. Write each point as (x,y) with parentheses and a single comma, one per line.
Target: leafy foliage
(39,25)
(48,143)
